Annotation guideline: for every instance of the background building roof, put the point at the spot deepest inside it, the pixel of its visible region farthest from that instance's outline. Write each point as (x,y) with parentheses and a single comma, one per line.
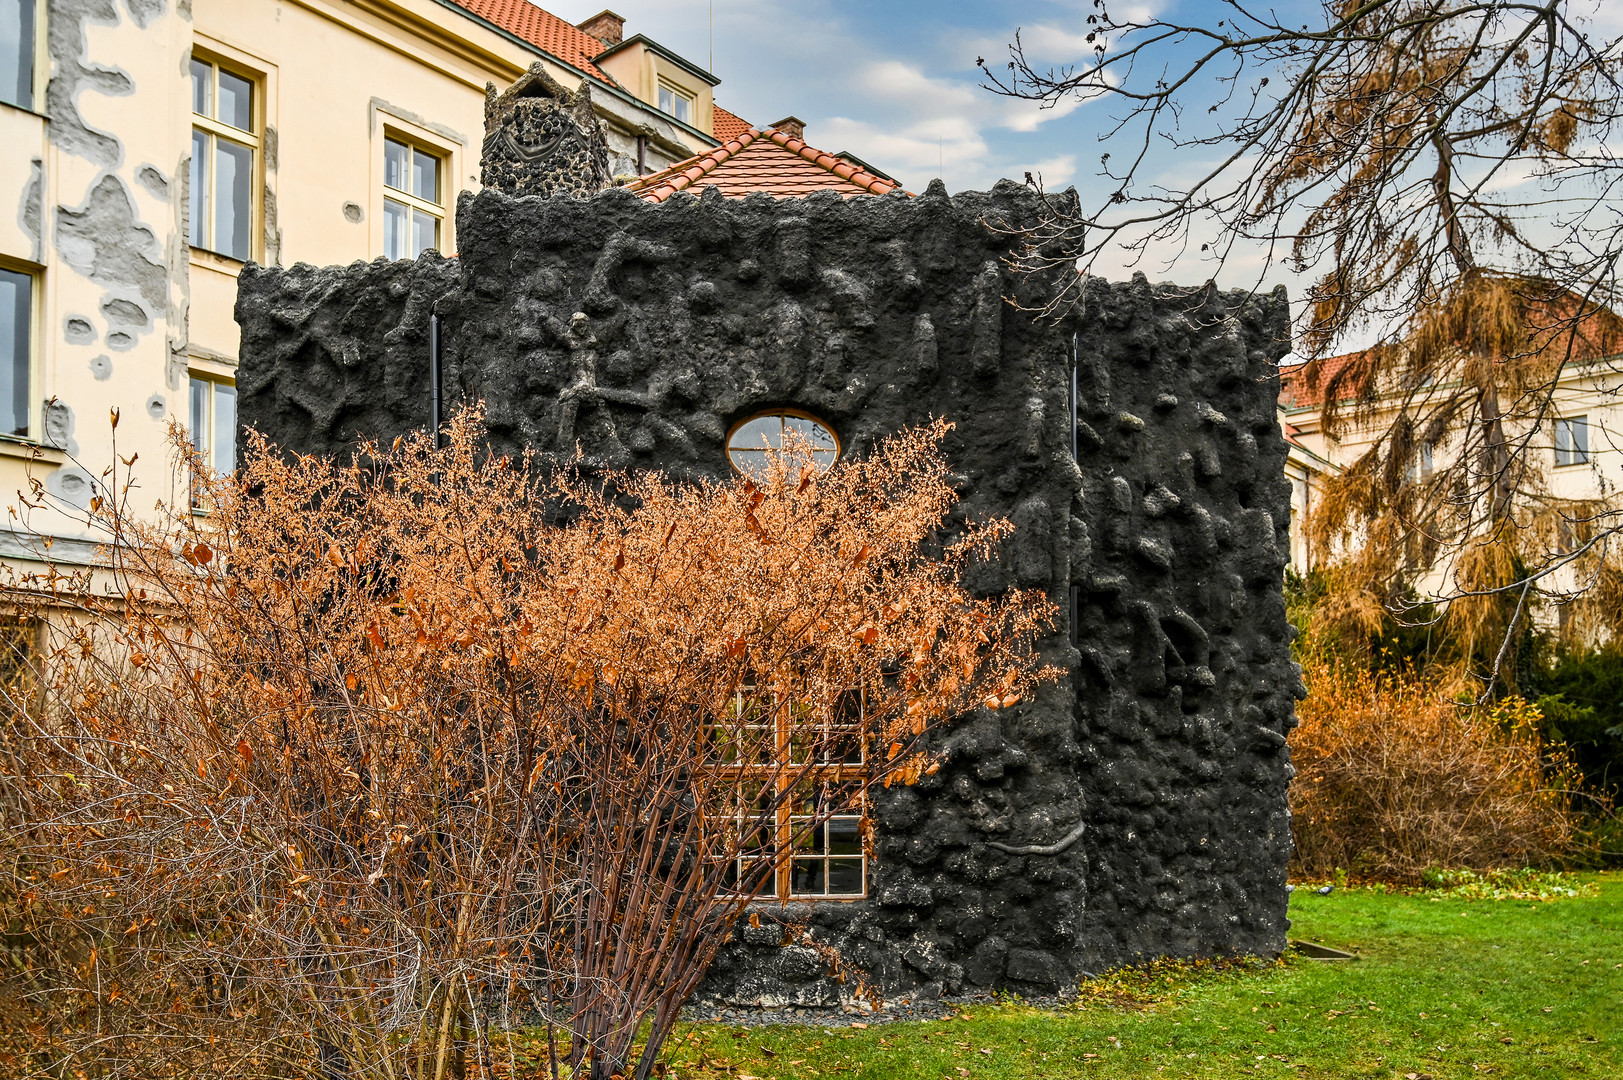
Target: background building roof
(542,29)
(768,161)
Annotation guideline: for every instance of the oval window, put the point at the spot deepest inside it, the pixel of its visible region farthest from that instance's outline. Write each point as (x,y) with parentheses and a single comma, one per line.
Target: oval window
(750,441)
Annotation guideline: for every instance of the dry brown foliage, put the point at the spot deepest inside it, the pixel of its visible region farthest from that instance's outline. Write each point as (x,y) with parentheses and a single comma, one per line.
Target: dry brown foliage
(1394,776)
(381,755)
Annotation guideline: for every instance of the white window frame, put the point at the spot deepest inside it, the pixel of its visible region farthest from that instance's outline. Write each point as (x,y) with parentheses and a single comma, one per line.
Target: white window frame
(36,346)
(413,203)
(1572,440)
(677,94)
(41,63)
(252,139)
(203,441)
(444,144)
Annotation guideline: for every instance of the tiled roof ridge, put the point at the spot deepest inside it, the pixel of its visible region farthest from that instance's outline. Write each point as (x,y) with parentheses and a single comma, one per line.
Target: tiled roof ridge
(660,186)
(543,29)
(861,177)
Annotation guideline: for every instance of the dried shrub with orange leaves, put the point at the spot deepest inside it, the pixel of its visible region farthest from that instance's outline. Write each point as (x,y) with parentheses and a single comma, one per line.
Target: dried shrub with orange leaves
(1394,775)
(376,757)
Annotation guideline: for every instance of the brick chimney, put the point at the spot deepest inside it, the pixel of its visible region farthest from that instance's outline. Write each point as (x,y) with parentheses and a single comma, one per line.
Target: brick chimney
(606,27)
(792,126)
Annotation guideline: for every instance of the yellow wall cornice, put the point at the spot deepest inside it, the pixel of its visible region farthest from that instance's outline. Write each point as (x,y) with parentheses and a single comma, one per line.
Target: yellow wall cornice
(437,37)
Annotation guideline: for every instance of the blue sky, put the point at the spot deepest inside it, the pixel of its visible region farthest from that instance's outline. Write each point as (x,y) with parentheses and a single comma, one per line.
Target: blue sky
(895,83)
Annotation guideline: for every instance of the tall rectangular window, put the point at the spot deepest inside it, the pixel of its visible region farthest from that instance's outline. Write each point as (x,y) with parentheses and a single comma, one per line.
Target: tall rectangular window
(819,821)
(16,349)
(17,24)
(413,203)
(225,142)
(213,423)
(675,103)
(1572,440)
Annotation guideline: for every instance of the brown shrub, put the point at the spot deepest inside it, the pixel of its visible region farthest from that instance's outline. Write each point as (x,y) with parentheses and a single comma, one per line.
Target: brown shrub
(1394,776)
(375,756)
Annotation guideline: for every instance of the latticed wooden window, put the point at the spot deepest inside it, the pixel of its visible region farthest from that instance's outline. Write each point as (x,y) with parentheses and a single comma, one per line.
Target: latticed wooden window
(807,782)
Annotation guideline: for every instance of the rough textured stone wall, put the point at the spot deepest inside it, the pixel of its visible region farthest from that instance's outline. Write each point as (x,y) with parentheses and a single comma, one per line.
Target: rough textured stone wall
(641,332)
(541,139)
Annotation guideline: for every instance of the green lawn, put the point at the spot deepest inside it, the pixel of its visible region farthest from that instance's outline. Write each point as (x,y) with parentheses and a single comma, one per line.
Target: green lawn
(1448,989)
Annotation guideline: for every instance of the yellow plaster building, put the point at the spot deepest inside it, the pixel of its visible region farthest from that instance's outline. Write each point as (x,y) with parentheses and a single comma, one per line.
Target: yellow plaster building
(148,148)
(1579,452)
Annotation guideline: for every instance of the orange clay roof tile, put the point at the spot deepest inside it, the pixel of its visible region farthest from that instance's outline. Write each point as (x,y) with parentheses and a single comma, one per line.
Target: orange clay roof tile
(725,125)
(769,161)
(573,46)
(570,44)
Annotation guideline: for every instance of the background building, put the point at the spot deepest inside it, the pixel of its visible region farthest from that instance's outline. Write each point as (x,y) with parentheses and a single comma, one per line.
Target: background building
(149,149)
(1576,454)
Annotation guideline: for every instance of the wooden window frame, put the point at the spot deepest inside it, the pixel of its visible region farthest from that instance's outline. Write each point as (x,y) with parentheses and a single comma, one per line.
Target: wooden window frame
(785,817)
(1574,457)
(36,347)
(801,414)
(413,202)
(252,139)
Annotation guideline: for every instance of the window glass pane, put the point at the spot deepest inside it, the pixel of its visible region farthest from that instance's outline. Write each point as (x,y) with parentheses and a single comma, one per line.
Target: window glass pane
(233,217)
(425,176)
(16,331)
(395,157)
(17,52)
(756,466)
(225,427)
(683,110)
(1580,438)
(202,88)
(425,232)
(198,423)
(757,434)
(236,101)
(200,189)
(767,432)
(807,876)
(394,230)
(845,877)
(845,836)
(816,435)
(667,101)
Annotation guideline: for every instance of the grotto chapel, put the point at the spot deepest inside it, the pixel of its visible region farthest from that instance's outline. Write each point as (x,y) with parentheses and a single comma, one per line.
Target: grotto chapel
(1134,809)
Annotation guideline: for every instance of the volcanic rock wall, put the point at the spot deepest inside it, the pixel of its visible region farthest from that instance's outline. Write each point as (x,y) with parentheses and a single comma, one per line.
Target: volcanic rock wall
(641,332)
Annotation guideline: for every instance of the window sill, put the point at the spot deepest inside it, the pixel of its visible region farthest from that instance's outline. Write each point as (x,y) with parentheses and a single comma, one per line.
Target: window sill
(1574,464)
(213,260)
(25,111)
(25,450)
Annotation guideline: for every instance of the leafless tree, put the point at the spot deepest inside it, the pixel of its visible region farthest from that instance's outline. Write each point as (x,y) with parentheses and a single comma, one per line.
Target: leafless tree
(1444,171)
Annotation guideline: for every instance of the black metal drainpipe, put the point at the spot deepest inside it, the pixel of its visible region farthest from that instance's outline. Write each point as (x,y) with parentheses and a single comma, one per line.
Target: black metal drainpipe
(1076,356)
(1076,456)
(434,378)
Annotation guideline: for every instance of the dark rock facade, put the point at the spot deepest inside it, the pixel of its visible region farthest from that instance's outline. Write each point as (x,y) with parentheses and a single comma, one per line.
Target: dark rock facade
(641,332)
(541,139)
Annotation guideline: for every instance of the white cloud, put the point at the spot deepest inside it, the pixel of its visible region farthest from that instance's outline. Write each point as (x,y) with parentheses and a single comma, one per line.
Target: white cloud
(910,102)
(1056,172)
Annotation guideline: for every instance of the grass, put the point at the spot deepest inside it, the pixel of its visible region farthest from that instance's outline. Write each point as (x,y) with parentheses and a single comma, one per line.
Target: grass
(1448,987)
